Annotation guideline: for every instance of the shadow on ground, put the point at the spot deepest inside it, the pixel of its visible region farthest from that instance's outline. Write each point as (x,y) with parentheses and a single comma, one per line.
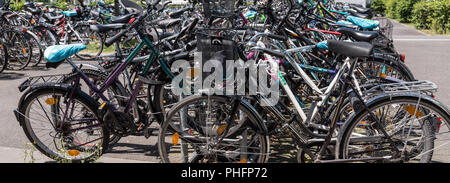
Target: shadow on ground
(11,76)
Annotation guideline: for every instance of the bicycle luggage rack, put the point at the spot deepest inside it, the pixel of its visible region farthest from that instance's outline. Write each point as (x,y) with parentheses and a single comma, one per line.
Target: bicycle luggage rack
(423,87)
(31,81)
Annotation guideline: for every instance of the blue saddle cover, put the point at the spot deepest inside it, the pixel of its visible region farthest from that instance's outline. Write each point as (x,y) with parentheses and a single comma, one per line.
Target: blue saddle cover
(363,23)
(343,22)
(323,45)
(58,53)
(68,13)
(251,13)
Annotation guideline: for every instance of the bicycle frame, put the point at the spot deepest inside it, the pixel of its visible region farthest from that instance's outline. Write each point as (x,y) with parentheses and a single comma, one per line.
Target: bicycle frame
(305,120)
(115,74)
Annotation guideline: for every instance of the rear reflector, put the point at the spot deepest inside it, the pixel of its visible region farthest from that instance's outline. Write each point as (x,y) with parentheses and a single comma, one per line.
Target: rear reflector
(403,57)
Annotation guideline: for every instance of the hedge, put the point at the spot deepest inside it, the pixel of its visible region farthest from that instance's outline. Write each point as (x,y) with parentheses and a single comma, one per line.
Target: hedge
(434,15)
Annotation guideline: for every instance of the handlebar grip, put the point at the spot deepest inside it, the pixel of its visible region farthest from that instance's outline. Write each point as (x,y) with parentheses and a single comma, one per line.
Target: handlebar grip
(191,45)
(113,39)
(188,29)
(192,25)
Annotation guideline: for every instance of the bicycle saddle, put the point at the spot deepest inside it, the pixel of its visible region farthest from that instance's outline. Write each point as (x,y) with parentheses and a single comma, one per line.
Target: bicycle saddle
(58,53)
(363,23)
(357,14)
(350,49)
(366,36)
(179,12)
(360,9)
(164,24)
(106,27)
(122,19)
(69,13)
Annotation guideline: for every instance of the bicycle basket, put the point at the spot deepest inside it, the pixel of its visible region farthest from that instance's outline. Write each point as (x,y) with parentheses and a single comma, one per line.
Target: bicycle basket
(386,26)
(218,8)
(213,41)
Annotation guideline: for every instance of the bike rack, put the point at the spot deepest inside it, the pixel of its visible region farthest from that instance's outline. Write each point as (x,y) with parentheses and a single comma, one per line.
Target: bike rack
(423,87)
(32,81)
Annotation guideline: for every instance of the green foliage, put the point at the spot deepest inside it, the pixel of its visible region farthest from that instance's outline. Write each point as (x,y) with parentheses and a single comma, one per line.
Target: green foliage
(441,16)
(378,6)
(391,6)
(17,5)
(422,15)
(404,9)
(434,15)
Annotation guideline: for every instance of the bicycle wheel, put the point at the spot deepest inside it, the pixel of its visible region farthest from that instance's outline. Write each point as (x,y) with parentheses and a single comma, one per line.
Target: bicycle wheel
(373,69)
(82,137)
(46,36)
(19,49)
(195,131)
(3,57)
(93,41)
(409,122)
(115,93)
(37,50)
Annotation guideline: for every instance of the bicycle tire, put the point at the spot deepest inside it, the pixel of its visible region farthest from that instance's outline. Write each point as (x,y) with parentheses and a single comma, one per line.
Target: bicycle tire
(82,99)
(426,127)
(260,154)
(116,88)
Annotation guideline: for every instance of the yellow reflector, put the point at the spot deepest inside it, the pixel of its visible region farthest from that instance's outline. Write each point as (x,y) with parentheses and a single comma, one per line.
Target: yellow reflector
(103,105)
(411,110)
(175,138)
(73,152)
(51,101)
(221,129)
(363,123)
(243,160)
(24,50)
(164,101)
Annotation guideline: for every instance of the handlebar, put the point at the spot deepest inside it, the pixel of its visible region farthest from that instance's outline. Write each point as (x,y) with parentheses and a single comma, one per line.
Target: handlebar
(188,29)
(139,20)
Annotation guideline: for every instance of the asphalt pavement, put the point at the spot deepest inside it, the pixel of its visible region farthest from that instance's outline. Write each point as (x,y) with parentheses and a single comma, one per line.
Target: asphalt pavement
(428,57)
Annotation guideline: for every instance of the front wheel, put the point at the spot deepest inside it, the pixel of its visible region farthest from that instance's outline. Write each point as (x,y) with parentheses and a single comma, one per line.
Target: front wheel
(196,130)
(93,40)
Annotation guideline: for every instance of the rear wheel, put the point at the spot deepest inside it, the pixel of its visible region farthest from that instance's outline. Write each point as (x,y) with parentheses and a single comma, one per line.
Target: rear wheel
(408,122)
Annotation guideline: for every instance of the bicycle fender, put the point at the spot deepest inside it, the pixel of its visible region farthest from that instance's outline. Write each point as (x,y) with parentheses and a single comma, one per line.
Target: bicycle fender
(53,86)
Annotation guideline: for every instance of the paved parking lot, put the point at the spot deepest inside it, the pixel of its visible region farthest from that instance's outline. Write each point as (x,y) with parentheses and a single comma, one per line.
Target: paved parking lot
(427,56)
